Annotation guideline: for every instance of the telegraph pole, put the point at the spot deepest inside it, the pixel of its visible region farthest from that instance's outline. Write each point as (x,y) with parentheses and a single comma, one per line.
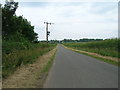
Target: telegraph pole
(47,32)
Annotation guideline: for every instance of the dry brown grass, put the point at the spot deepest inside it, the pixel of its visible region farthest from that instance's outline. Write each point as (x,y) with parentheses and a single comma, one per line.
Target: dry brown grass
(29,76)
(95,54)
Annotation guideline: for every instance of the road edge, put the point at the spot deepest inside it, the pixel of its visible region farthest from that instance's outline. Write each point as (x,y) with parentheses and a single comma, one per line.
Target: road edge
(97,56)
(46,70)
(34,70)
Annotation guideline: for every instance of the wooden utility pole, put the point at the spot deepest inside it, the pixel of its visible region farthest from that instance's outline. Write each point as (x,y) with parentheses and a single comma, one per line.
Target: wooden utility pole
(47,32)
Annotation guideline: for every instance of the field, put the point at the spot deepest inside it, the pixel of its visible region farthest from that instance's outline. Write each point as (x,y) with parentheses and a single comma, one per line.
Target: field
(106,47)
(16,54)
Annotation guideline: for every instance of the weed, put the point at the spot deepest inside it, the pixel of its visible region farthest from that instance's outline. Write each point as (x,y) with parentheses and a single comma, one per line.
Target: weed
(21,56)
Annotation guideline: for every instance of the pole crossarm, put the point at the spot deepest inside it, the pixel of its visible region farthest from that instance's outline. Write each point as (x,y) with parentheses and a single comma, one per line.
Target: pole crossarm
(47,32)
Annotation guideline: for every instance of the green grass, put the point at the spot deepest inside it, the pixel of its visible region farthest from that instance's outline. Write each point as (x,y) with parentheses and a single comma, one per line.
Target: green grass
(49,64)
(21,56)
(99,58)
(105,48)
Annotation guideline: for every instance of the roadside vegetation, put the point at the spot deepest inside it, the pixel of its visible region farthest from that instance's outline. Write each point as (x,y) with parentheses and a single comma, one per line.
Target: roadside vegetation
(31,75)
(16,58)
(108,47)
(20,45)
(105,48)
(48,65)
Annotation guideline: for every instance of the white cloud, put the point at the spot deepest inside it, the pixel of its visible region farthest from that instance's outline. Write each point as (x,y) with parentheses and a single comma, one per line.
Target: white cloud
(67,0)
(73,21)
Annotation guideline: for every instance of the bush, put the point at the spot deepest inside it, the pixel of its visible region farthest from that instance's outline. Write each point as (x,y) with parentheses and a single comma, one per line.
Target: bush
(16,54)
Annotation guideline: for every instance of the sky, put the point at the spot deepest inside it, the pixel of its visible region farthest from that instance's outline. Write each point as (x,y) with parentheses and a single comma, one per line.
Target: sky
(72,19)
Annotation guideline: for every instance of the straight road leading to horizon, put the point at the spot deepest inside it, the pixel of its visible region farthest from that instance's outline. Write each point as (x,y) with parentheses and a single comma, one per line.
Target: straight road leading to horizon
(74,70)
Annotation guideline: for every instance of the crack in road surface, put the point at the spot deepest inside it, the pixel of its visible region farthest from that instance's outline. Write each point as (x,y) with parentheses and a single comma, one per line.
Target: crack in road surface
(74,70)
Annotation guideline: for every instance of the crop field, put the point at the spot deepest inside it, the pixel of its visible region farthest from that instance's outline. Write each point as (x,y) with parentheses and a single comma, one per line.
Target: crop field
(106,47)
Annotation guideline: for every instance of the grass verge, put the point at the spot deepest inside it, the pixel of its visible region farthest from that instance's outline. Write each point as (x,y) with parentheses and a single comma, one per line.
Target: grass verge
(31,75)
(49,64)
(18,58)
(94,56)
(45,71)
(108,48)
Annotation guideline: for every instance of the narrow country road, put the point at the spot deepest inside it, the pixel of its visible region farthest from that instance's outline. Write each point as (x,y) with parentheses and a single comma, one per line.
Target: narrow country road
(74,70)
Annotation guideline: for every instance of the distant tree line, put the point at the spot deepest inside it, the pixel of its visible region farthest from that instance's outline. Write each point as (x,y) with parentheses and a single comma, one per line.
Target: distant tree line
(72,41)
(81,40)
(16,28)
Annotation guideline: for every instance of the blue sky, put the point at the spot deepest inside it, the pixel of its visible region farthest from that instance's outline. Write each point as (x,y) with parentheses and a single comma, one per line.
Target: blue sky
(73,20)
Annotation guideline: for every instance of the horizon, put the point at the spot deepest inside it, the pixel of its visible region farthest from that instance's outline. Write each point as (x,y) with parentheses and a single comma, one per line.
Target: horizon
(79,39)
(72,20)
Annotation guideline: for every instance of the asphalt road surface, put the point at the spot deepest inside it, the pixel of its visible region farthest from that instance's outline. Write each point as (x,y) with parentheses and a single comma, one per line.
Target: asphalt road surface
(74,70)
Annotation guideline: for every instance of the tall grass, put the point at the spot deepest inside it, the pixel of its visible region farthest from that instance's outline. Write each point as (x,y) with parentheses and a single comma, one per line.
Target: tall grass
(106,47)
(22,54)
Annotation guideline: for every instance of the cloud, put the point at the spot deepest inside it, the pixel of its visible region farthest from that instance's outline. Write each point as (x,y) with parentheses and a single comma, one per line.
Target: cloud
(73,20)
(67,0)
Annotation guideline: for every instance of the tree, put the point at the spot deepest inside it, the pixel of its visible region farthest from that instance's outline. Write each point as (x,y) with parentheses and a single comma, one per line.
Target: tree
(7,17)
(16,27)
